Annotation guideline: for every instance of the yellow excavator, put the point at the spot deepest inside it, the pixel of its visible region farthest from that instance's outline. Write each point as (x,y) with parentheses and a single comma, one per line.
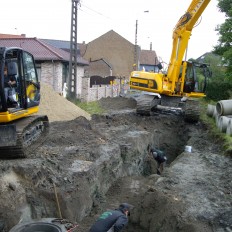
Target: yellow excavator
(21,130)
(182,83)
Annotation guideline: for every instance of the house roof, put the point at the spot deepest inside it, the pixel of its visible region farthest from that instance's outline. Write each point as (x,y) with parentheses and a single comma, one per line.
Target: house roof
(112,35)
(148,57)
(39,49)
(62,44)
(65,45)
(4,36)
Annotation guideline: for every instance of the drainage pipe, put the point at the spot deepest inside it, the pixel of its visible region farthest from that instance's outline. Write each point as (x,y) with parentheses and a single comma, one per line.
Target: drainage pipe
(223,123)
(210,110)
(224,107)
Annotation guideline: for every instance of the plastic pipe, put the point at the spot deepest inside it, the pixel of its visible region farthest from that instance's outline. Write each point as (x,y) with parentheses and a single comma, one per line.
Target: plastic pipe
(224,107)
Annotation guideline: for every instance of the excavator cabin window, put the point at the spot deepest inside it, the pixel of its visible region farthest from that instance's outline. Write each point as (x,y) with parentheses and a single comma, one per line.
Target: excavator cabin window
(190,78)
(197,75)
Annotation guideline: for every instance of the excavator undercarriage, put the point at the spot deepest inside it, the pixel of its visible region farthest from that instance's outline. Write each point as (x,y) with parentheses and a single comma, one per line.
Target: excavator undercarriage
(149,105)
(21,137)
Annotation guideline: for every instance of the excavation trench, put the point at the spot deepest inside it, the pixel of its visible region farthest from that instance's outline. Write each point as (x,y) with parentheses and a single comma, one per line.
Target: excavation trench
(95,165)
(83,160)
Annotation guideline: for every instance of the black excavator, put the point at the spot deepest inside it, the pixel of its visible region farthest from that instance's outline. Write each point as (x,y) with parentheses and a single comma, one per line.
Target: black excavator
(21,130)
(179,87)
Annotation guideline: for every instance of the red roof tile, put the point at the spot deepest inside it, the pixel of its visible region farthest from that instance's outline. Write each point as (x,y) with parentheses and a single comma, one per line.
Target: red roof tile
(39,49)
(4,36)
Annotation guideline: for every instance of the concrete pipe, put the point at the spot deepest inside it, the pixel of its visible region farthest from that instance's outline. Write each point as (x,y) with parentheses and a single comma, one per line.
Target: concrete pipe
(229,128)
(43,225)
(223,123)
(215,113)
(217,119)
(224,107)
(39,226)
(210,110)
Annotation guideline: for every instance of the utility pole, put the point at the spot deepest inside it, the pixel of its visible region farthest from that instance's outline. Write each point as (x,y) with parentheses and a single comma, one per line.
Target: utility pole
(72,80)
(136,52)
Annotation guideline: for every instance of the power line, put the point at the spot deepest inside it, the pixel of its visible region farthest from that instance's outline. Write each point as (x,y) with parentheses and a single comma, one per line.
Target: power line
(99,13)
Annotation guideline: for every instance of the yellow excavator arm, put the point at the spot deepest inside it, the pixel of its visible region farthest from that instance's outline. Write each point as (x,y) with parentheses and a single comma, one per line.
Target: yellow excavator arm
(181,35)
(182,78)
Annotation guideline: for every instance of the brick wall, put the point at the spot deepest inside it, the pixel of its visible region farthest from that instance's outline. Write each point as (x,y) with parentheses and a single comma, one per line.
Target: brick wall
(51,74)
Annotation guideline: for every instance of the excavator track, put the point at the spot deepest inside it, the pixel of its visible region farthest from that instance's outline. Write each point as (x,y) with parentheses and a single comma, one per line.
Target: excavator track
(146,104)
(28,134)
(191,111)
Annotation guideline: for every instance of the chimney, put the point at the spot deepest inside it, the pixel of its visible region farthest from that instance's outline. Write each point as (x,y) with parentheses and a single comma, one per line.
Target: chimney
(23,35)
(150,46)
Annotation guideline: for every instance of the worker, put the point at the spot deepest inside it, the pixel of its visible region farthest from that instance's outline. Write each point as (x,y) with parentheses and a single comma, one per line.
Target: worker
(160,158)
(112,220)
(9,86)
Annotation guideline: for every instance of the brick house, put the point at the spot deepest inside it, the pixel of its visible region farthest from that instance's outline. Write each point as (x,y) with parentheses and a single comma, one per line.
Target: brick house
(148,60)
(114,49)
(119,53)
(51,62)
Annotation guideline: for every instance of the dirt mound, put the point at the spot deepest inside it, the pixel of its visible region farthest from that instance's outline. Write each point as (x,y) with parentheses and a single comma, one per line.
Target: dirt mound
(117,103)
(57,107)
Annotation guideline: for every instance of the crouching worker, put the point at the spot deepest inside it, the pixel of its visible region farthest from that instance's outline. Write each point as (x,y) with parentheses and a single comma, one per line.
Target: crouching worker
(160,158)
(112,220)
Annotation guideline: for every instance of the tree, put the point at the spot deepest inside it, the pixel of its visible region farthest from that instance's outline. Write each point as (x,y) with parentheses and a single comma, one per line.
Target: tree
(224,47)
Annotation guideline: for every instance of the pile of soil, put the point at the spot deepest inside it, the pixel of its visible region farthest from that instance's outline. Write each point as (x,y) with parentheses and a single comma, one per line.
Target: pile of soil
(58,108)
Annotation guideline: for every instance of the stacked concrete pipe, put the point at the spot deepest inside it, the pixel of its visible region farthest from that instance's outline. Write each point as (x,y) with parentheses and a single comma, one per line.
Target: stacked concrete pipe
(211,109)
(229,128)
(224,107)
(222,113)
(224,110)
(223,123)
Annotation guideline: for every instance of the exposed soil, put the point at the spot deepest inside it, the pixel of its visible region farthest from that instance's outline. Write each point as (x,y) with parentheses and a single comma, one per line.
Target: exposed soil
(94,165)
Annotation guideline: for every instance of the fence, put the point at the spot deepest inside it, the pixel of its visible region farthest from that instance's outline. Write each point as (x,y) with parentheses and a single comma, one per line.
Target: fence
(116,88)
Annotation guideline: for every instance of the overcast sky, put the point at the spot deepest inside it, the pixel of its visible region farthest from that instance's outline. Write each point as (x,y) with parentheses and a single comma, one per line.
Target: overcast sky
(51,19)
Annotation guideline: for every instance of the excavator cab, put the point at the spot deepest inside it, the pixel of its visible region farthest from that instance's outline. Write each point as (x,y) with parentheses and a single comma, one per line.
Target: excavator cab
(17,66)
(19,99)
(196,77)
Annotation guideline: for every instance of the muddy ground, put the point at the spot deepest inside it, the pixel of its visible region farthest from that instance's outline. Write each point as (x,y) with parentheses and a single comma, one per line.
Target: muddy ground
(95,165)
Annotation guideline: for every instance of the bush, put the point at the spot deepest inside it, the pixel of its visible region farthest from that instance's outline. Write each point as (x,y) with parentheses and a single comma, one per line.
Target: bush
(217,91)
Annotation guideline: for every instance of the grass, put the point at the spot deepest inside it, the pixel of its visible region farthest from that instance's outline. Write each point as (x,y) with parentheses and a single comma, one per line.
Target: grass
(215,132)
(90,107)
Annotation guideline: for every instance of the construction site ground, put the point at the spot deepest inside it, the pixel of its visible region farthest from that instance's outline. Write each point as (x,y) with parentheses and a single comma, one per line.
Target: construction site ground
(88,165)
